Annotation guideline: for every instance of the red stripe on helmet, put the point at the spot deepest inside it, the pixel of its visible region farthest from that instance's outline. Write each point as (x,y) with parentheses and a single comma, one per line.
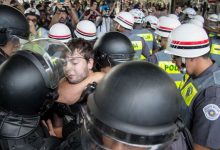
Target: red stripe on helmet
(191,42)
(165,28)
(126,21)
(85,33)
(60,36)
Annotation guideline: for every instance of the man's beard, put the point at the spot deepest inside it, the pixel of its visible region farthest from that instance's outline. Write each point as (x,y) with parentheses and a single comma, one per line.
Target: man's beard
(62,20)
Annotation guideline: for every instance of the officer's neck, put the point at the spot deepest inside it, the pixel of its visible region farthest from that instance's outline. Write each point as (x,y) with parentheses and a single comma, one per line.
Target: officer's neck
(203,65)
(137,26)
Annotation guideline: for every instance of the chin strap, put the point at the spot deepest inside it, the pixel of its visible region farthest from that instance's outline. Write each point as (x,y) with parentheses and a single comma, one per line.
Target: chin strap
(186,133)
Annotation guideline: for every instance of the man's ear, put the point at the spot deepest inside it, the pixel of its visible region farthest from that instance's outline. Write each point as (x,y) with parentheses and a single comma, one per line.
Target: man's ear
(90,63)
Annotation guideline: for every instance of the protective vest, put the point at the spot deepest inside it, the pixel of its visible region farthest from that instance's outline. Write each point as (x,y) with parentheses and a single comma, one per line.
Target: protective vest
(41,33)
(138,45)
(147,36)
(24,133)
(165,62)
(193,87)
(215,49)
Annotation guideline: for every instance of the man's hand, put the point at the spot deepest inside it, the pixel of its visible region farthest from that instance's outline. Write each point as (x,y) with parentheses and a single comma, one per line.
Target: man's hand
(6,2)
(59,5)
(32,28)
(68,4)
(48,124)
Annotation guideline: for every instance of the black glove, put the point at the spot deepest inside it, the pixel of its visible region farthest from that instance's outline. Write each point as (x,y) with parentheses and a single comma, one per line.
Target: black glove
(88,90)
(3,36)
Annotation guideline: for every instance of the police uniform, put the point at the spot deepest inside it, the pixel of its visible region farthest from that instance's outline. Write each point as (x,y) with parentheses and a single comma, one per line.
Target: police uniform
(41,33)
(148,37)
(164,61)
(202,96)
(141,49)
(215,48)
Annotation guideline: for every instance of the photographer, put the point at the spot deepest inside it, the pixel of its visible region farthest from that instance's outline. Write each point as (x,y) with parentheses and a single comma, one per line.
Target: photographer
(104,8)
(92,13)
(65,13)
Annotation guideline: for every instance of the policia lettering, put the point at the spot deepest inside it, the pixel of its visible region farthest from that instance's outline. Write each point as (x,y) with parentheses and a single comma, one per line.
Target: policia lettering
(165,62)
(148,37)
(169,67)
(215,48)
(138,46)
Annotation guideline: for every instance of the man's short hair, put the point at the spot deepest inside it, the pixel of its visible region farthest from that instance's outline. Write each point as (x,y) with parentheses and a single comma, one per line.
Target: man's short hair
(82,46)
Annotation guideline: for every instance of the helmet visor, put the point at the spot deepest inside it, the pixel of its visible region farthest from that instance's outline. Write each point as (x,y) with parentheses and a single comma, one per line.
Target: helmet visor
(54,52)
(96,135)
(94,139)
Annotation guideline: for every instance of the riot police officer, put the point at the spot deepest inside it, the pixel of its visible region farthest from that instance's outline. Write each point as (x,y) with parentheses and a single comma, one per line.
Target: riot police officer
(12,22)
(123,115)
(29,80)
(112,49)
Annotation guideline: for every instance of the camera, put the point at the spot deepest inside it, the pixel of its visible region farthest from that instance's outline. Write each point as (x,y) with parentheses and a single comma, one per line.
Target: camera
(61,1)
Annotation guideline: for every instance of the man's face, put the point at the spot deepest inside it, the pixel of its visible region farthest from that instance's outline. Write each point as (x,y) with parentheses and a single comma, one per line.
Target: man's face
(188,65)
(115,145)
(77,68)
(178,10)
(178,61)
(32,19)
(163,42)
(117,26)
(94,6)
(62,17)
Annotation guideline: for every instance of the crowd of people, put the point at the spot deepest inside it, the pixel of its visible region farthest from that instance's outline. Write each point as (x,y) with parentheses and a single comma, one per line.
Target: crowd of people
(112,75)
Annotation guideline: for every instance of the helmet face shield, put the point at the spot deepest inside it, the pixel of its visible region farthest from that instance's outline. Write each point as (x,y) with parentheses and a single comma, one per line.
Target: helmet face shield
(53,52)
(212,24)
(97,136)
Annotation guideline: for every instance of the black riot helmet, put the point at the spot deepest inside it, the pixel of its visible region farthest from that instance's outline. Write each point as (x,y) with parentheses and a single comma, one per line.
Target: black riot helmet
(14,21)
(30,77)
(111,49)
(136,104)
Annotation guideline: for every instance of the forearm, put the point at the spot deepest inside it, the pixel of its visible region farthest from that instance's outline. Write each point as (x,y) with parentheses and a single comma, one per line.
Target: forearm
(74,17)
(70,93)
(199,147)
(54,20)
(87,17)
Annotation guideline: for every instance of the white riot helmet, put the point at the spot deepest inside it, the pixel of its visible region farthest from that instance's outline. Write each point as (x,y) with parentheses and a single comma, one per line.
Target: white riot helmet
(125,19)
(173,16)
(138,15)
(61,32)
(166,25)
(190,12)
(86,29)
(196,22)
(152,20)
(161,18)
(183,43)
(200,18)
(32,11)
(213,18)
